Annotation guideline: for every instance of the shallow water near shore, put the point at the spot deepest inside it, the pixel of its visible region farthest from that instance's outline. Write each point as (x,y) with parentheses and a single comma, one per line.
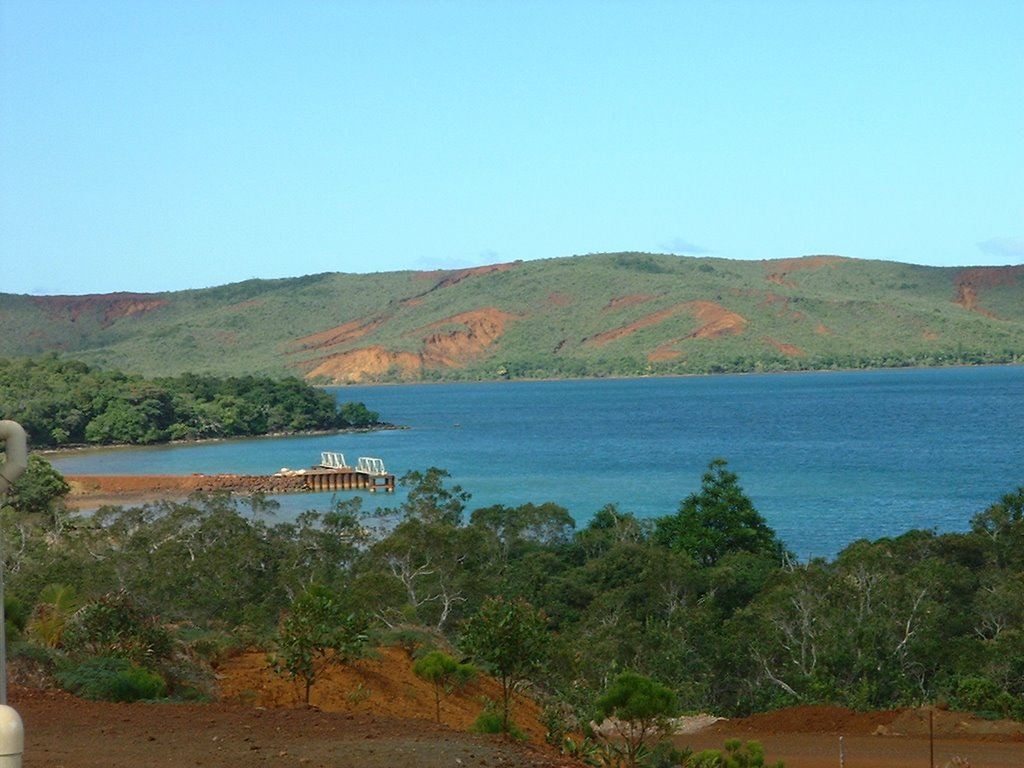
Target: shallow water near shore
(827,458)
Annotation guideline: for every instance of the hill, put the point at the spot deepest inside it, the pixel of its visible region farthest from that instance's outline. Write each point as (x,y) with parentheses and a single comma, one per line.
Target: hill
(596,315)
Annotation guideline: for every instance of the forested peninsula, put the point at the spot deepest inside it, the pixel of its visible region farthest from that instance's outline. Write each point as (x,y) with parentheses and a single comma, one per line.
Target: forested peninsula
(63,403)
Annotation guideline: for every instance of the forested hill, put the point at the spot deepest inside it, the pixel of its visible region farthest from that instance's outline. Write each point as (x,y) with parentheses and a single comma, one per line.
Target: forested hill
(596,315)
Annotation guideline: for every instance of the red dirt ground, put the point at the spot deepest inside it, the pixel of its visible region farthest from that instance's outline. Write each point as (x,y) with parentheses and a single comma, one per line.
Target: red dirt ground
(379,714)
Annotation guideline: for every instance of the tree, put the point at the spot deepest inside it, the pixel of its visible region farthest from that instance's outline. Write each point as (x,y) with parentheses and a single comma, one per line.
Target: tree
(436,566)
(316,633)
(510,637)
(357,415)
(515,527)
(429,500)
(717,520)
(641,707)
(40,490)
(444,673)
(1003,525)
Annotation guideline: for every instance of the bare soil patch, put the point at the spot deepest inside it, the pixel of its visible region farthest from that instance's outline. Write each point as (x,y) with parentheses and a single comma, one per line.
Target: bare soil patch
(377,713)
(714,321)
(359,364)
(478,330)
(114,306)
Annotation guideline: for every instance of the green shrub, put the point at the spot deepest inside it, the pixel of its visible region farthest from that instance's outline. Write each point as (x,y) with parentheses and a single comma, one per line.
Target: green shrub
(114,625)
(16,615)
(105,678)
(490,721)
(415,641)
(32,664)
(986,698)
(736,754)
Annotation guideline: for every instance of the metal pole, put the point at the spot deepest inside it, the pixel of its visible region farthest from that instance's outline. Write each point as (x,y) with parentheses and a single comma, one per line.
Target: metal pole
(931,738)
(12,729)
(15,463)
(842,755)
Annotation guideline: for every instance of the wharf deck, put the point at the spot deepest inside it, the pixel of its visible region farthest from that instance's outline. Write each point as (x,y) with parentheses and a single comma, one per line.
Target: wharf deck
(302,481)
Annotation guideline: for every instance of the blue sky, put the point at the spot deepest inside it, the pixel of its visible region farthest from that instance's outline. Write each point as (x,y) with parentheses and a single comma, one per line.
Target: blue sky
(156,145)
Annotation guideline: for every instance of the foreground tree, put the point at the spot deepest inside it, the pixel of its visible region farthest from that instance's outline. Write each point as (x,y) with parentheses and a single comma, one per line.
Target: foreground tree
(317,632)
(510,638)
(640,708)
(444,673)
(717,520)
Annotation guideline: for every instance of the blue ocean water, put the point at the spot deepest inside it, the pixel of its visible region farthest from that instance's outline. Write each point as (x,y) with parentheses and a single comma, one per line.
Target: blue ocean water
(827,458)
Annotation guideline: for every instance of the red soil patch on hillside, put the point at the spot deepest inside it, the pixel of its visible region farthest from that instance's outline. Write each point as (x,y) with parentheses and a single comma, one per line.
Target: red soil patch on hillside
(646,321)
(112,306)
(621,302)
(787,349)
(365,363)
(446,278)
(782,268)
(783,302)
(715,320)
(381,684)
(971,281)
(480,328)
(448,348)
(339,334)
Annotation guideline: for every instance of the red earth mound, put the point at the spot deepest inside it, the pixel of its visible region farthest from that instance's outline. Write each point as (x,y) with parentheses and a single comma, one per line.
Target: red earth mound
(376,713)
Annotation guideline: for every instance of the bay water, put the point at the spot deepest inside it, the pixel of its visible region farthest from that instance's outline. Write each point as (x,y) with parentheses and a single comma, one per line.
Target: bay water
(827,458)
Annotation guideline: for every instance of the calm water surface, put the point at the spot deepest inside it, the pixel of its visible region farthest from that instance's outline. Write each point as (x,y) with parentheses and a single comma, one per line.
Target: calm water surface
(827,458)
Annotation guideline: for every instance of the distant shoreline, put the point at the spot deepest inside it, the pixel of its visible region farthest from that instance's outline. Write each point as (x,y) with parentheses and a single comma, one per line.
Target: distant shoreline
(72,450)
(786,372)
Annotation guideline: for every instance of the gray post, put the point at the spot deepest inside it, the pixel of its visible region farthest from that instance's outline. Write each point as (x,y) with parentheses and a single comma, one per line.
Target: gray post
(12,730)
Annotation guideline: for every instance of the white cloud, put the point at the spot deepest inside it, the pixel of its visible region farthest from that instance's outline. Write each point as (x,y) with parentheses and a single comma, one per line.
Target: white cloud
(1005,247)
(682,247)
(483,258)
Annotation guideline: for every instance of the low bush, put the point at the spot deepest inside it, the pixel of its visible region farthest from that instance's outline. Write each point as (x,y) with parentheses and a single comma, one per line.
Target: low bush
(490,721)
(105,678)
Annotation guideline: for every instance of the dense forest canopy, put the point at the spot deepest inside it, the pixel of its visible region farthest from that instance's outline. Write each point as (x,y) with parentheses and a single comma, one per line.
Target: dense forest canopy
(707,602)
(64,402)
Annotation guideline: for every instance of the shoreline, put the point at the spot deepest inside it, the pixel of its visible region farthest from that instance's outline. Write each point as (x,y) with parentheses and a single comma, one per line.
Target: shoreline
(341,385)
(71,450)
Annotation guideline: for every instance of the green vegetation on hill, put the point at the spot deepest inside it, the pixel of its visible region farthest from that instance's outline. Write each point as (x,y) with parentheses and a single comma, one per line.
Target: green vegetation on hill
(595,315)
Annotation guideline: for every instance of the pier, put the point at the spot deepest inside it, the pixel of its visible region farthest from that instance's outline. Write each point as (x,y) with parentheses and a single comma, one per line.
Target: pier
(331,474)
(334,474)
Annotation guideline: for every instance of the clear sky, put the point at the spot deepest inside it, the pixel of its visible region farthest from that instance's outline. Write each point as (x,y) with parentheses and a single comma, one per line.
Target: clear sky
(153,145)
